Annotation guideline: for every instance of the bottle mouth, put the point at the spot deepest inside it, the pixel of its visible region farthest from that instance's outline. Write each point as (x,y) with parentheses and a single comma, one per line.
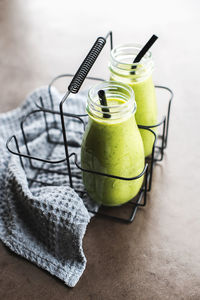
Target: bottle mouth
(121,61)
(115,92)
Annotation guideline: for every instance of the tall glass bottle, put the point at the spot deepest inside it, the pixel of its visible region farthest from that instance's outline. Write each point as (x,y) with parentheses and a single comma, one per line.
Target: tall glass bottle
(139,77)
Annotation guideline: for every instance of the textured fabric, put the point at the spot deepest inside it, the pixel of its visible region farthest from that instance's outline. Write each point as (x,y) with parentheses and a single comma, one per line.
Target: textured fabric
(44,223)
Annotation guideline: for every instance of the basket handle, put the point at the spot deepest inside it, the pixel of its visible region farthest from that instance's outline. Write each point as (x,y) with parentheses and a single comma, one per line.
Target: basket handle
(86,65)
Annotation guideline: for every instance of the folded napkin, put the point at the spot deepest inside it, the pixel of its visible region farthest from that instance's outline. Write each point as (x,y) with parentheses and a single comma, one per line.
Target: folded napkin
(44,223)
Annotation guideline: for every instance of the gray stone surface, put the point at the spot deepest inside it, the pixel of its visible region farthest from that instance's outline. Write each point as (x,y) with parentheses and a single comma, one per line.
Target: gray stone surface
(157,256)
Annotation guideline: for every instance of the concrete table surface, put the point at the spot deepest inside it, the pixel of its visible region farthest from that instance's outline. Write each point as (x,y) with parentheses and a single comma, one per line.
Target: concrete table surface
(158,255)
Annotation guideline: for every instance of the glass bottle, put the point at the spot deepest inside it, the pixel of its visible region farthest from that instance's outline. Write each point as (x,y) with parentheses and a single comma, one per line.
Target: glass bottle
(139,77)
(112,145)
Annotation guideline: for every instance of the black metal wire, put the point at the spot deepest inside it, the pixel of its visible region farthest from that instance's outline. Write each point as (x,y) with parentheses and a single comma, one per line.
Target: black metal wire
(110,34)
(61,76)
(65,138)
(74,86)
(152,160)
(18,153)
(108,175)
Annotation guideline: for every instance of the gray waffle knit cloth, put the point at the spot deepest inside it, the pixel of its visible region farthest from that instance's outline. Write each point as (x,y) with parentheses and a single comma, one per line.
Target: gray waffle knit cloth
(43,223)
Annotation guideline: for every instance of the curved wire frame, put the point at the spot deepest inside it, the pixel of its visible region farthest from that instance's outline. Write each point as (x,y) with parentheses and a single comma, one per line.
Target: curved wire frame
(75,85)
(79,117)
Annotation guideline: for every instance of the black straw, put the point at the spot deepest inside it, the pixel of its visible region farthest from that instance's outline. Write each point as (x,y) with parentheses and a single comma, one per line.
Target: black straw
(144,50)
(103,101)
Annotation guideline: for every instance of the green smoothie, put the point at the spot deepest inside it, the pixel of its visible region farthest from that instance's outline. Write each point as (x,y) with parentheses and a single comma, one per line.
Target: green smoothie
(146,113)
(139,77)
(112,146)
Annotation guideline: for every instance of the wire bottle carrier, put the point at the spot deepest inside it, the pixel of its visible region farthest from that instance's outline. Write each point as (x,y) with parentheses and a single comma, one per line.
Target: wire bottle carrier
(159,146)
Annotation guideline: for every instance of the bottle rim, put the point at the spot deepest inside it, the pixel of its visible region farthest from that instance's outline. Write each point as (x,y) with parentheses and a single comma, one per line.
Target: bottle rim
(148,55)
(119,65)
(113,90)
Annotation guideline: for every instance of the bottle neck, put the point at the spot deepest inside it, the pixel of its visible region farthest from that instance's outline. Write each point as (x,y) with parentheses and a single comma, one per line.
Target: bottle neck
(120,102)
(122,67)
